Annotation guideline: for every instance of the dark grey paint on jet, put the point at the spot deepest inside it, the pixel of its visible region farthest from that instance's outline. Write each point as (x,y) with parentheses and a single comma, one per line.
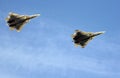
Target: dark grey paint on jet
(16,21)
(82,38)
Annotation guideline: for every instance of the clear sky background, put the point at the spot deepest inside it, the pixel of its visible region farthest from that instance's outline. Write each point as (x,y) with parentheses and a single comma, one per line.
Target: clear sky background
(44,47)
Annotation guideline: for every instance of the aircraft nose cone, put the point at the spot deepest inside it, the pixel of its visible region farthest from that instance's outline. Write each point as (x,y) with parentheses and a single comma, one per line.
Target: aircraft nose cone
(36,15)
(101,32)
(98,33)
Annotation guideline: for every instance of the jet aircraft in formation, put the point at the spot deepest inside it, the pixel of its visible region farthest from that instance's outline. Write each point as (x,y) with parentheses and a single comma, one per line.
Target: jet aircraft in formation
(81,38)
(16,21)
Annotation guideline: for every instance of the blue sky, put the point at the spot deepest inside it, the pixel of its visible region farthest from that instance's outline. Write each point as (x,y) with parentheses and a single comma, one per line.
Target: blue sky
(44,47)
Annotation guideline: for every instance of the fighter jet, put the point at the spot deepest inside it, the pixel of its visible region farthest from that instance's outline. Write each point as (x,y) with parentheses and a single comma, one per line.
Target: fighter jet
(16,21)
(81,38)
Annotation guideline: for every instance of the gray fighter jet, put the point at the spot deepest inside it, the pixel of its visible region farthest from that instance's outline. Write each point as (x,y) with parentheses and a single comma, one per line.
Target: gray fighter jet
(82,38)
(16,21)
